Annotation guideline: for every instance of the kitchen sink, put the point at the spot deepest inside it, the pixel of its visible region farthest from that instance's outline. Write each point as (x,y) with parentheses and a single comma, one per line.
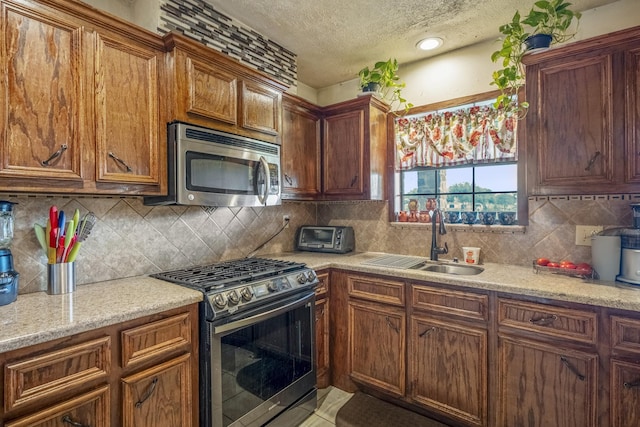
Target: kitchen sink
(461,270)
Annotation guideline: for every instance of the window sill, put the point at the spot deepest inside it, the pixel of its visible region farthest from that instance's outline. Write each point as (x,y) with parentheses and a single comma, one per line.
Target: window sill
(466,228)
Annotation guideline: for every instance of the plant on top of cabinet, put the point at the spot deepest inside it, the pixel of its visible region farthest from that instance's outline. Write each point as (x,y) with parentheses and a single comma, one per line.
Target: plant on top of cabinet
(383,78)
(546,23)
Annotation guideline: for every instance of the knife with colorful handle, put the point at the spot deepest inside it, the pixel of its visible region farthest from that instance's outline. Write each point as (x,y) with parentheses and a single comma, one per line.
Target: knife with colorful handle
(61,224)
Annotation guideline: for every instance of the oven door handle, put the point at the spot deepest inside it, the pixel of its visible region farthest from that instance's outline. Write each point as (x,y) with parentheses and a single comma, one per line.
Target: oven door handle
(241,323)
(265,166)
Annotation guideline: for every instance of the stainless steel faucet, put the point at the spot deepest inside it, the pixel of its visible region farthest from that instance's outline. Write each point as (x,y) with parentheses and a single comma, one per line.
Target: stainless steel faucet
(435,250)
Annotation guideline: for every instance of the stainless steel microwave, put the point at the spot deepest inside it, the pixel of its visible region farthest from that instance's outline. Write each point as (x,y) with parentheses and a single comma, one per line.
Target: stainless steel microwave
(212,168)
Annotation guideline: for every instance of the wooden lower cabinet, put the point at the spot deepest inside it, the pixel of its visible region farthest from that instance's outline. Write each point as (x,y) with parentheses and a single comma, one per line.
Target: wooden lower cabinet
(543,385)
(159,396)
(448,369)
(89,409)
(625,393)
(142,372)
(377,337)
(322,342)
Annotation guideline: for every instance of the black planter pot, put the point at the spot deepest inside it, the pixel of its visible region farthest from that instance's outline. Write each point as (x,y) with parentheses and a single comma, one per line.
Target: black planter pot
(538,41)
(371,87)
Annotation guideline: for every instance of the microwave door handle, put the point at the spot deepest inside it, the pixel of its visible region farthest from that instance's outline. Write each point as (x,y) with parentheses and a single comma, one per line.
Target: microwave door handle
(263,197)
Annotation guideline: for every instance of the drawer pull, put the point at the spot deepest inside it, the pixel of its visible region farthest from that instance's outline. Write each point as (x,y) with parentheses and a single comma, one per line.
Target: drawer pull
(544,321)
(55,155)
(288,179)
(119,160)
(572,368)
(631,385)
(353,180)
(427,331)
(391,325)
(592,161)
(148,393)
(67,420)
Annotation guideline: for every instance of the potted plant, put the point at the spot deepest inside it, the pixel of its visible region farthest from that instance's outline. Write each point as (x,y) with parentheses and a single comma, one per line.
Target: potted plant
(548,23)
(383,79)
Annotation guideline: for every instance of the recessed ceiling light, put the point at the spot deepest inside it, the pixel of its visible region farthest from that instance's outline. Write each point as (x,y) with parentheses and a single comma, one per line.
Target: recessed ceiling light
(430,43)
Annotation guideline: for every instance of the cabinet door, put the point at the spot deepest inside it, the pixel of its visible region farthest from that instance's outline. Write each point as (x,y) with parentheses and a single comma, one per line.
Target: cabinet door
(541,385)
(90,409)
(449,365)
(343,161)
(300,151)
(632,62)
(625,393)
(209,92)
(127,112)
(570,125)
(261,108)
(41,106)
(159,396)
(322,342)
(377,337)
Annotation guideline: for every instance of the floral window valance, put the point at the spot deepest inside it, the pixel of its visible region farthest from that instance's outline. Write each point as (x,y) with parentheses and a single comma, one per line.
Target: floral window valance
(478,134)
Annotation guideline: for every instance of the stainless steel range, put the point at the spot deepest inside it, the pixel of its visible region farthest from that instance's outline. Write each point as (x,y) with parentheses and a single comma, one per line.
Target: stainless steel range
(257,340)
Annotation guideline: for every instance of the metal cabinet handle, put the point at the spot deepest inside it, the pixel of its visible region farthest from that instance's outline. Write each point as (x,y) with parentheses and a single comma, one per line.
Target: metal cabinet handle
(119,160)
(572,368)
(55,155)
(288,179)
(592,161)
(353,180)
(427,331)
(544,321)
(149,392)
(67,420)
(391,325)
(632,385)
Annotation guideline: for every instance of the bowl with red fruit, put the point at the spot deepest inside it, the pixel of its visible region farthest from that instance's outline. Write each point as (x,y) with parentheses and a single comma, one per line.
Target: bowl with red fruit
(565,267)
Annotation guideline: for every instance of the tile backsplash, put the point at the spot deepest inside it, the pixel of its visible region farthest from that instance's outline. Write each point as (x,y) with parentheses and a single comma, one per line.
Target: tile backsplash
(132,239)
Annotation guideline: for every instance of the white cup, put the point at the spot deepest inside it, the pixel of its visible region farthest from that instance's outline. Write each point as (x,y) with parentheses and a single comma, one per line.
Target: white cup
(471,255)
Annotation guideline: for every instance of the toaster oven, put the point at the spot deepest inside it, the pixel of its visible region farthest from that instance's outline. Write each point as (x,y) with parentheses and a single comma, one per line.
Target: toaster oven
(331,239)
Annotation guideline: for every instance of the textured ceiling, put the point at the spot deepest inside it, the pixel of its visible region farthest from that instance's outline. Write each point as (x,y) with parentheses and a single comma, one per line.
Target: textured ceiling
(335,38)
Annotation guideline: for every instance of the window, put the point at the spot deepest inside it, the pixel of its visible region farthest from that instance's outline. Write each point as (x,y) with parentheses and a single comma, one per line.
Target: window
(471,170)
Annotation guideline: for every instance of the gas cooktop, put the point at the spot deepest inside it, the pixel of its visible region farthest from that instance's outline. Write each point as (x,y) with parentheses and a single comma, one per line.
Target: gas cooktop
(240,284)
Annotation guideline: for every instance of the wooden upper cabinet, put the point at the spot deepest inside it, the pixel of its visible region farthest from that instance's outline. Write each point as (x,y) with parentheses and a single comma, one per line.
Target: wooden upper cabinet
(582,98)
(80,106)
(127,112)
(301,144)
(355,149)
(213,90)
(261,108)
(42,101)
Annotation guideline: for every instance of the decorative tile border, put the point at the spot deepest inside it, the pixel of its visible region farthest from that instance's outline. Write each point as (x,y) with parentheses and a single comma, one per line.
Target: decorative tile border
(466,228)
(198,20)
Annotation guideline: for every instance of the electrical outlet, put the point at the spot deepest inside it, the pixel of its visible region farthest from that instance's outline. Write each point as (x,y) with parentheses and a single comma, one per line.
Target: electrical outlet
(584,233)
(285,221)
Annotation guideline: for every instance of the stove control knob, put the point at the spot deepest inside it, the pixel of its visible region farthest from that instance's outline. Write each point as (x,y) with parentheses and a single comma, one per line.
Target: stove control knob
(301,278)
(311,276)
(246,293)
(233,297)
(220,301)
(273,286)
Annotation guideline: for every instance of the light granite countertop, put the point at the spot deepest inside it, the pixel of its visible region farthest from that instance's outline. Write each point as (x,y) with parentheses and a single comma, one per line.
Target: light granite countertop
(39,317)
(495,277)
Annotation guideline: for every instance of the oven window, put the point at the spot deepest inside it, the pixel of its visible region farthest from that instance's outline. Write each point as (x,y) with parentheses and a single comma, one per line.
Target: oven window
(264,359)
(317,235)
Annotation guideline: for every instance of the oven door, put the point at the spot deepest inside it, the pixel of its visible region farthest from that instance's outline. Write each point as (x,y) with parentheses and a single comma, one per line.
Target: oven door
(262,362)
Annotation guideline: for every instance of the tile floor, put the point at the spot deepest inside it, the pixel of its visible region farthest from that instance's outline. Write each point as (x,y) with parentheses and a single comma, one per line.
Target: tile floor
(330,399)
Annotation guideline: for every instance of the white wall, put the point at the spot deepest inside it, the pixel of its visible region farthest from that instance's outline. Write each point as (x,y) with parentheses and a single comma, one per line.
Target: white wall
(467,71)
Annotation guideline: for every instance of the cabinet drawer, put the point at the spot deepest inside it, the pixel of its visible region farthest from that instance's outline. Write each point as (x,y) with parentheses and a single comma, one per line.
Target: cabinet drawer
(90,409)
(156,339)
(450,302)
(375,289)
(625,334)
(323,286)
(33,379)
(542,319)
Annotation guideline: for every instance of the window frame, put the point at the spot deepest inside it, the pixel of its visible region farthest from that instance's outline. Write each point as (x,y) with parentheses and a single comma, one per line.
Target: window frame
(394,176)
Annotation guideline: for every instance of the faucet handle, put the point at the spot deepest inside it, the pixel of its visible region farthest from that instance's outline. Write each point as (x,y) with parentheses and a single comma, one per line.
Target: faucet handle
(445,250)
